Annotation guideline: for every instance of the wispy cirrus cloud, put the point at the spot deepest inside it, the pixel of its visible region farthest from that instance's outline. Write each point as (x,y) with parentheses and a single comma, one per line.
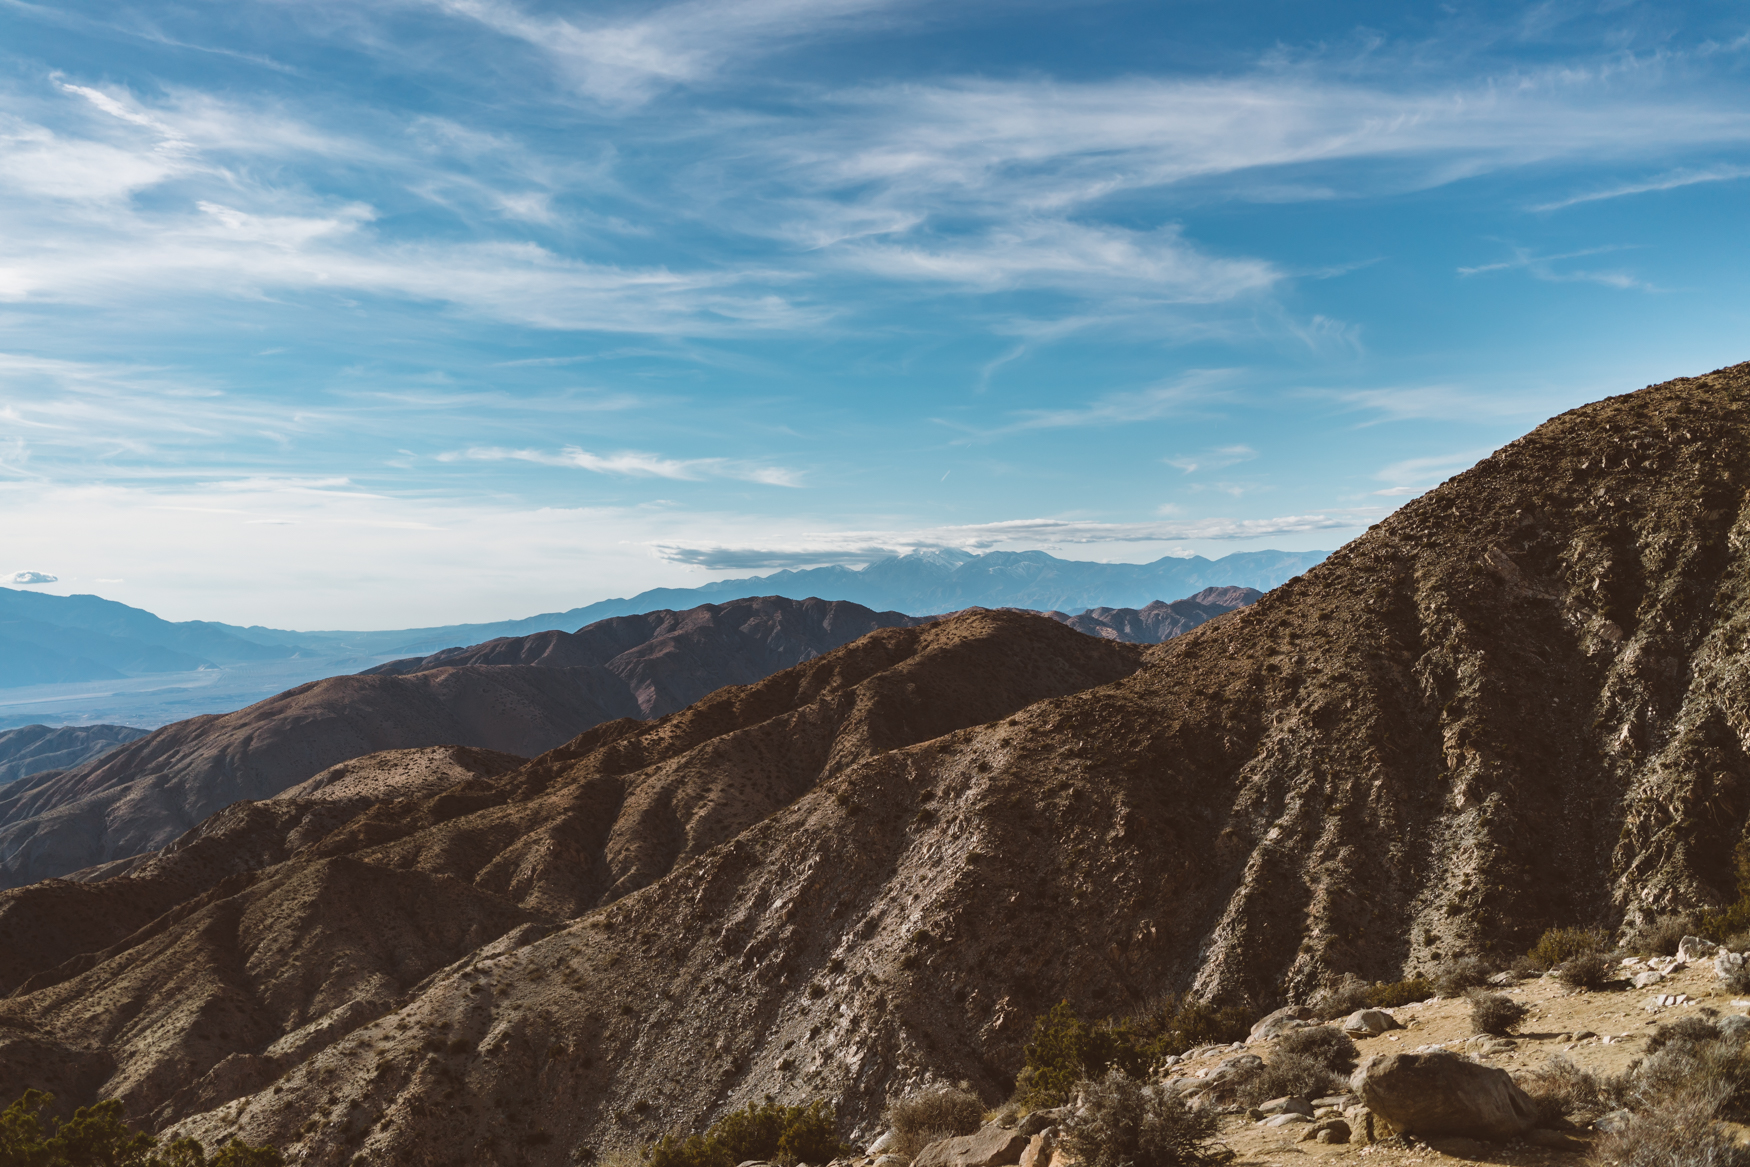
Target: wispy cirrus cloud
(633,464)
(1671,181)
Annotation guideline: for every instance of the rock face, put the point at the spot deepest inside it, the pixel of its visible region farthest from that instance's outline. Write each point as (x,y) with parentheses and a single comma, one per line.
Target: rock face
(1516,703)
(1443,1094)
(990,1146)
(521,696)
(32,749)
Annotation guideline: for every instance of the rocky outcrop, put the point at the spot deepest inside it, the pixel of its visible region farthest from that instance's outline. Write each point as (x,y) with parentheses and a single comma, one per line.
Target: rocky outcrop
(1443,1094)
(1159,620)
(989,1146)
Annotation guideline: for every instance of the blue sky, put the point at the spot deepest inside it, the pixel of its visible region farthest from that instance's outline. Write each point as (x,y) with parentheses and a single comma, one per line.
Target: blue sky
(327,315)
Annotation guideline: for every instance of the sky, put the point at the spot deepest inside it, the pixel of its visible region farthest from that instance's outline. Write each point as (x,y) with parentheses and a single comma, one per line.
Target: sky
(341,315)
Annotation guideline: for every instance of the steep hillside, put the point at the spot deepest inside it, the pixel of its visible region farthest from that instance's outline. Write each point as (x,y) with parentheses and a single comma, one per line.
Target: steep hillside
(31,749)
(1158,620)
(520,696)
(1520,701)
(668,659)
(281,927)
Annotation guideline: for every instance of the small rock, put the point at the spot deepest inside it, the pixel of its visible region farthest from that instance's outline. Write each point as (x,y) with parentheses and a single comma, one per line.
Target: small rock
(1564,1037)
(1326,1137)
(1503,979)
(1340,1101)
(1290,1119)
(1457,1146)
(1646,979)
(1369,1023)
(1336,1129)
(1693,949)
(1615,1121)
(1240,1062)
(1584,1035)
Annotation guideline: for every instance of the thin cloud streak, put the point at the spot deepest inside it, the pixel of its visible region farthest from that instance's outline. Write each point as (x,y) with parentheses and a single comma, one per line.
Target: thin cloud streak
(633,464)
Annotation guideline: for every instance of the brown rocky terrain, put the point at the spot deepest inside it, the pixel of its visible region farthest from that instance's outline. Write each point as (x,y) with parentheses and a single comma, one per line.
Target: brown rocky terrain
(521,695)
(31,749)
(1159,620)
(1519,702)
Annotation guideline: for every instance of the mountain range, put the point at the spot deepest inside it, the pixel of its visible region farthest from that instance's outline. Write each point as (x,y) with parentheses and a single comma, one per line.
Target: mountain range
(1517,703)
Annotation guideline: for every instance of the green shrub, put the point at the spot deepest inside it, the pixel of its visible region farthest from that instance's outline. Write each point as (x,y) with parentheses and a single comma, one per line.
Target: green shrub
(920,1119)
(1325,1044)
(1064,1050)
(1590,970)
(1494,1012)
(96,1137)
(1560,945)
(767,1131)
(1125,1124)
(1384,996)
(1306,1063)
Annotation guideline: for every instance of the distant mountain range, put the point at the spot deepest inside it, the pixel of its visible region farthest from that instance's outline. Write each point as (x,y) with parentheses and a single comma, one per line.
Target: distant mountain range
(85,659)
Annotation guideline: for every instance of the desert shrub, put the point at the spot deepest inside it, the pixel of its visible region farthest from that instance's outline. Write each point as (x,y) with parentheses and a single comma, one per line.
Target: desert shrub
(1325,1044)
(1127,1124)
(1340,997)
(1494,1012)
(1738,980)
(96,1137)
(1175,1022)
(1064,1049)
(1587,971)
(1384,996)
(1297,1074)
(768,1131)
(1661,935)
(1562,1088)
(1560,945)
(920,1119)
(1683,1031)
(1691,1065)
(1454,977)
(1679,1136)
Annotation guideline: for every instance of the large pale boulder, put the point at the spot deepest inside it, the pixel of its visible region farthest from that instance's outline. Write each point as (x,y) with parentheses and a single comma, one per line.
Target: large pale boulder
(1443,1094)
(1369,1023)
(1280,1022)
(989,1146)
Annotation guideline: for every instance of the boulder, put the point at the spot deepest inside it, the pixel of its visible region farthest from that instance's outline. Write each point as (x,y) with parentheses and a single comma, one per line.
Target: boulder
(1040,1148)
(1650,977)
(881,1144)
(1280,1022)
(1504,979)
(1369,1023)
(890,1161)
(1038,1120)
(1366,1127)
(1443,1094)
(1694,948)
(1292,1118)
(1336,1128)
(1288,1105)
(989,1146)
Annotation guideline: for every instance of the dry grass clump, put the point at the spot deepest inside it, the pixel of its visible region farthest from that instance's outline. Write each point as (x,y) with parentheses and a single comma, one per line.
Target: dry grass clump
(1456,976)
(1127,1124)
(1340,997)
(1690,1063)
(1494,1012)
(921,1119)
(1306,1063)
(1661,935)
(1591,970)
(1562,1090)
(1678,1136)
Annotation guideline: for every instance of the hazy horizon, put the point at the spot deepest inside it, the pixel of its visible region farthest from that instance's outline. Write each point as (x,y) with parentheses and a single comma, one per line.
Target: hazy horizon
(332,316)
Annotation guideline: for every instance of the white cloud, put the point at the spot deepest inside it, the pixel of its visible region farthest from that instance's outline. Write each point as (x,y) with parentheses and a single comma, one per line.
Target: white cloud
(634,464)
(1671,181)
(1413,476)
(29,577)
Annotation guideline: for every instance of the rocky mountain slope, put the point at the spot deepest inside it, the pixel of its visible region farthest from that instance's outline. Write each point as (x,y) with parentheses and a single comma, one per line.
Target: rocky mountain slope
(518,696)
(281,927)
(1159,620)
(1520,701)
(32,749)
